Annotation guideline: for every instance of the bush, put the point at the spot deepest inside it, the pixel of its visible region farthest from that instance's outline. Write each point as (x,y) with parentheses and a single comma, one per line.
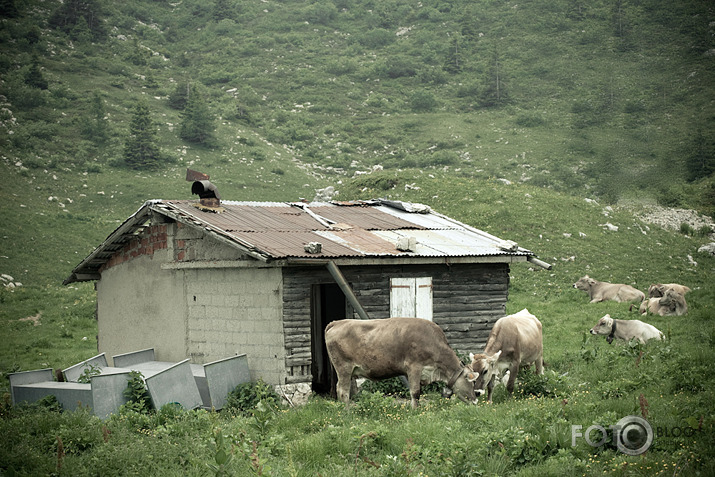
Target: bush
(246,397)
(422,101)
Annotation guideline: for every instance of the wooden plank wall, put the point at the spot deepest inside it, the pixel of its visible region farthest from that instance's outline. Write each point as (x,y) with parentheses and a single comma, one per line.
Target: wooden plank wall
(467,300)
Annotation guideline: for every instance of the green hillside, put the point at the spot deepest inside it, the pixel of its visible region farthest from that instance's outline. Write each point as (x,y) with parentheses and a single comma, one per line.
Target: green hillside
(612,97)
(550,123)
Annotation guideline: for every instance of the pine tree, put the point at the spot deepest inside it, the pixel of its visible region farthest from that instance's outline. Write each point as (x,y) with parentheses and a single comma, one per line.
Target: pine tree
(700,161)
(34,76)
(68,14)
(223,9)
(94,126)
(453,62)
(197,125)
(140,149)
(177,98)
(494,92)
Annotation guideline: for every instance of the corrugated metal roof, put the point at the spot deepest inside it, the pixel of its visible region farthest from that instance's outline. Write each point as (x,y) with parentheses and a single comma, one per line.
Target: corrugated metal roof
(275,230)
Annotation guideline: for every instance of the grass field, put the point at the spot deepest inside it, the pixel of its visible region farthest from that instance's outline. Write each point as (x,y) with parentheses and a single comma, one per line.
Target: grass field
(587,382)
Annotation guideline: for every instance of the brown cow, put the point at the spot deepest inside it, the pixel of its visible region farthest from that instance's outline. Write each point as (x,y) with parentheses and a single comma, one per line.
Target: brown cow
(657,290)
(671,303)
(379,349)
(603,291)
(514,340)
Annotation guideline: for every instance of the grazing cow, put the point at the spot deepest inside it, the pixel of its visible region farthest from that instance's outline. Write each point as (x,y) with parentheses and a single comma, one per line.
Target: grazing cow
(514,340)
(671,303)
(657,290)
(379,349)
(625,330)
(603,291)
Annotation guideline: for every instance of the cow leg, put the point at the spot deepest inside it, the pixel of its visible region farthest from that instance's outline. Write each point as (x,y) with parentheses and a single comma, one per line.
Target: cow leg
(415,387)
(490,387)
(344,384)
(513,371)
(540,365)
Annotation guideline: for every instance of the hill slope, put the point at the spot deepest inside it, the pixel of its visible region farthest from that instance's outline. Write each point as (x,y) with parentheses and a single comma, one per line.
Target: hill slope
(616,98)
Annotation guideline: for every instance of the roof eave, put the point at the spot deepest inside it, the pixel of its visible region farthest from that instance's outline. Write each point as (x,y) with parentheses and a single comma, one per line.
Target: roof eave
(79,273)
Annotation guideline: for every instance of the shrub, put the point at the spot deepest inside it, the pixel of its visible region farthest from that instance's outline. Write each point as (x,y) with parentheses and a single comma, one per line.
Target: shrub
(376,38)
(137,394)
(246,397)
(529,120)
(422,101)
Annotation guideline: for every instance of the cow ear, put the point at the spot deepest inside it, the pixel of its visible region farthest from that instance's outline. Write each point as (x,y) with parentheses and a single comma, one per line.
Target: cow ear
(471,357)
(471,377)
(493,359)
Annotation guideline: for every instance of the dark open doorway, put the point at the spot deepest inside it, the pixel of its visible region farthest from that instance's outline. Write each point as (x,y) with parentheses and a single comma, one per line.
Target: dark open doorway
(328,304)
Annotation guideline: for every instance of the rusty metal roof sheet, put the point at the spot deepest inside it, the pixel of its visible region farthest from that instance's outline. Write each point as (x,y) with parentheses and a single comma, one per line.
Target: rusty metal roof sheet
(276,230)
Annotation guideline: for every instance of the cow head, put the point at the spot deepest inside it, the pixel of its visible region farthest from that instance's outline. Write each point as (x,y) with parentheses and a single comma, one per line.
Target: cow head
(603,327)
(584,283)
(463,387)
(484,366)
(672,300)
(656,290)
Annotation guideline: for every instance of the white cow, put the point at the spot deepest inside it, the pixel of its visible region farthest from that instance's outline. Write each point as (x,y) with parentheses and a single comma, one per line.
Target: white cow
(626,330)
(602,291)
(514,340)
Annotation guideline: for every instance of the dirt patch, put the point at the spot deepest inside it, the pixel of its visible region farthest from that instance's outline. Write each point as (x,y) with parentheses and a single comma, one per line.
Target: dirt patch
(34,319)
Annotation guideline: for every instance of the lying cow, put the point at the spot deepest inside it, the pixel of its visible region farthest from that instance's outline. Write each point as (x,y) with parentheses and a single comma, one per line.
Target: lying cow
(515,340)
(603,291)
(625,330)
(657,290)
(671,303)
(379,349)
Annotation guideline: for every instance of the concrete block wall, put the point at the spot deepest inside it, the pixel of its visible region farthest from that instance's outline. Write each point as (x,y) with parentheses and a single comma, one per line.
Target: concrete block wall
(237,310)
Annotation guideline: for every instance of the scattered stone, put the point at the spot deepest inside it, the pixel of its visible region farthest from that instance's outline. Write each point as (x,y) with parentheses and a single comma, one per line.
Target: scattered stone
(324,195)
(708,248)
(673,218)
(610,226)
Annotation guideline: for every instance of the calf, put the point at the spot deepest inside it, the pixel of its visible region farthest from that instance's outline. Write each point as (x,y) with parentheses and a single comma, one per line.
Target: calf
(670,304)
(379,349)
(514,340)
(625,330)
(603,291)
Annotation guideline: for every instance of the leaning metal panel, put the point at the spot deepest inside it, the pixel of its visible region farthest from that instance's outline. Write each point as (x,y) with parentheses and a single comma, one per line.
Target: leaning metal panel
(127,360)
(174,384)
(224,375)
(73,373)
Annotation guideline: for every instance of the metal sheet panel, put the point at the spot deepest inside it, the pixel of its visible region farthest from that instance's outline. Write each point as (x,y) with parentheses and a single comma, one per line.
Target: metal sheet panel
(174,384)
(224,375)
(449,243)
(368,218)
(276,230)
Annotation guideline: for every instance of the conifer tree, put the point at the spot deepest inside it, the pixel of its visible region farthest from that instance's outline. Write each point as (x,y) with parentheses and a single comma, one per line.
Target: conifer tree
(223,9)
(93,125)
(453,62)
(68,14)
(140,149)
(197,125)
(34,76)
(177,98)
(700,160)
(494,93)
